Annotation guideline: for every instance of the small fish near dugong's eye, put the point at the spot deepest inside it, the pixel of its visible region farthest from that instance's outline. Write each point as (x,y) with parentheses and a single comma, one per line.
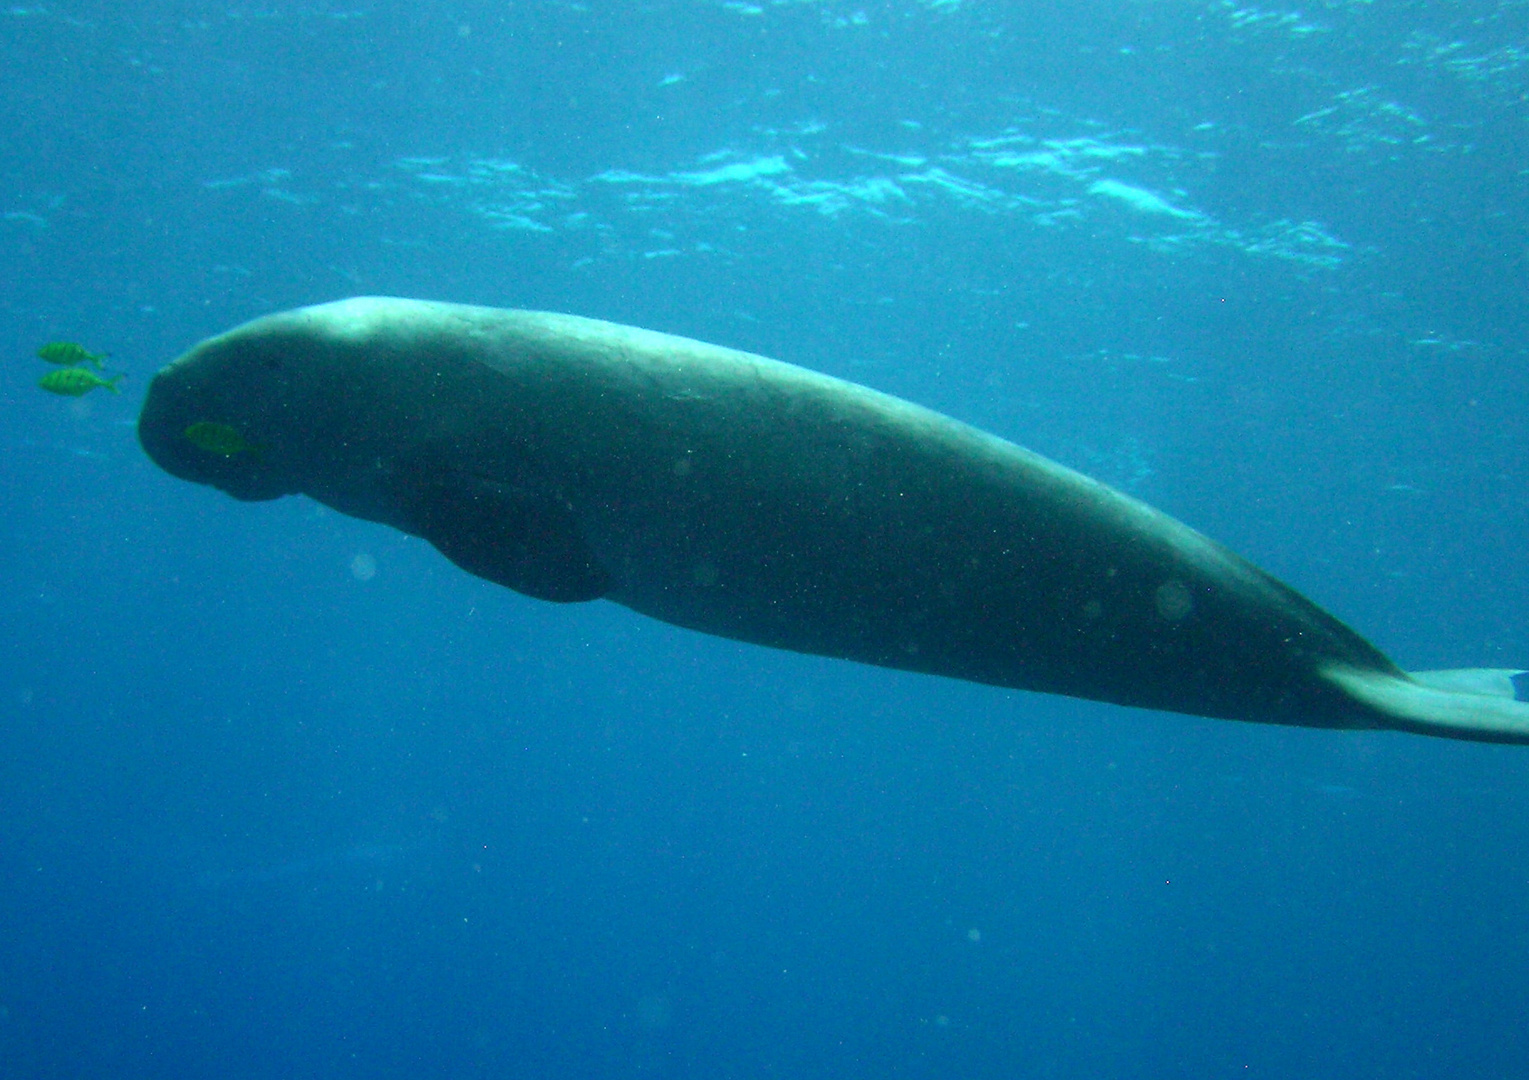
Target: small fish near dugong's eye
(221,439)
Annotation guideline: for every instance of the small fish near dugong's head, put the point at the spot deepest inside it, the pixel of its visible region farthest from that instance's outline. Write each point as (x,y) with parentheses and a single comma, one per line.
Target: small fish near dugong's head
(70,354)
(573,460)
(77,382)
(219,438)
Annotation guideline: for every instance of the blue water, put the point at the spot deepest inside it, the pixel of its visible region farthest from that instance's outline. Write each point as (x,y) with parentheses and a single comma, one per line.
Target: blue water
(285,794)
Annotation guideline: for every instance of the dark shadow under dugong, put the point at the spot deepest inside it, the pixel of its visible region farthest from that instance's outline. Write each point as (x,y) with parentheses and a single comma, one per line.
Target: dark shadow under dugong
(571,459)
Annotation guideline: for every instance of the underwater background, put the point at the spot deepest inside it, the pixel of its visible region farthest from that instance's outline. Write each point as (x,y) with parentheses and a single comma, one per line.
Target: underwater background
(285,794)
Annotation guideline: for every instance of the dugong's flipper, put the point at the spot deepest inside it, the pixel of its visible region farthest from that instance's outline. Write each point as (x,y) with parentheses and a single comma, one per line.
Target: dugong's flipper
(572,459)
(523,539)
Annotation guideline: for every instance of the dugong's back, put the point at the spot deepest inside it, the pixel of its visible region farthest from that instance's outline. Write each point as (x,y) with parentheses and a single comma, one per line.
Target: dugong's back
(744,497)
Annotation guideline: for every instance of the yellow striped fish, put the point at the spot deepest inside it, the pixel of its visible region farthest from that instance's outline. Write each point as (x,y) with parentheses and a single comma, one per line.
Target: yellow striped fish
(70,353)
(76,382)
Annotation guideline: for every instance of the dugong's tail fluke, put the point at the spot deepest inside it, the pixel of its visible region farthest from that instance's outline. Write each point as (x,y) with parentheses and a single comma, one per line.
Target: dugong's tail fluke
(1486,704)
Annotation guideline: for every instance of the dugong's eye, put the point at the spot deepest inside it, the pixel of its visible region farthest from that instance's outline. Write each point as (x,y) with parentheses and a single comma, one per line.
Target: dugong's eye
(272,363)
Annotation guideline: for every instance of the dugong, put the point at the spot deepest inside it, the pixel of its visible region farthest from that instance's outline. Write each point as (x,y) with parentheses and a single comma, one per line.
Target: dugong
(575,460)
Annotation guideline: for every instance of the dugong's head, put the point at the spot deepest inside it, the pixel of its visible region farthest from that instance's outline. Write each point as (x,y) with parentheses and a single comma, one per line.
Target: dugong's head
(396,411)
(301,401)
(238,383)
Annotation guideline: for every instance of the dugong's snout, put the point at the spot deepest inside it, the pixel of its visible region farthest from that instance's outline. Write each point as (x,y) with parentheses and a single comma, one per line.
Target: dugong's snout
(208,418)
